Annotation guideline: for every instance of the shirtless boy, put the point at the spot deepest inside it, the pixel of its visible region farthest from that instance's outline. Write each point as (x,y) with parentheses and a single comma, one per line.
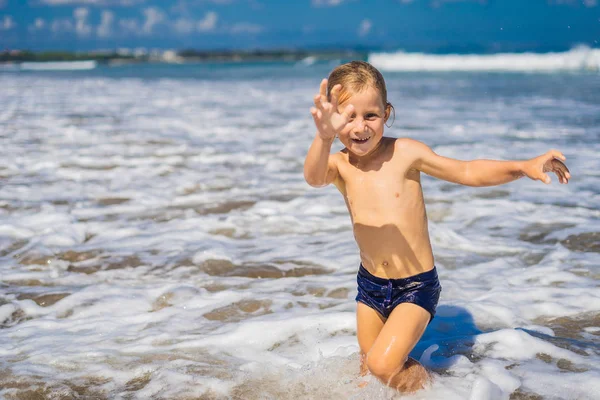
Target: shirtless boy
(379,178)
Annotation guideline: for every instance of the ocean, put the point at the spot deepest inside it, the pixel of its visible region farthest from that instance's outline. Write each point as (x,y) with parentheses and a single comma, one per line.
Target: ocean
(158,240)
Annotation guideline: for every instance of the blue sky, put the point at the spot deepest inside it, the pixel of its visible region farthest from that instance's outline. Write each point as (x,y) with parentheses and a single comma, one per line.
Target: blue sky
(414,25)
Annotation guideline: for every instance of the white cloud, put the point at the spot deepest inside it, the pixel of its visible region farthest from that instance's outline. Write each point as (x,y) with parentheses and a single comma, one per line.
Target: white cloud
(587,3)
(105,27)
(81,13)
(365,27)
(181,7)
(244,27)
(61,25)
(153,16)
(37,25)
(81,26)
(124,3)
(439,3)
(130,25)
(7,23)
(326,3)
(208,23)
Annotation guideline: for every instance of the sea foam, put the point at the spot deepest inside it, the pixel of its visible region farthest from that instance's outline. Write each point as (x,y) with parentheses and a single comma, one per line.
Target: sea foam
(157,238)
(578,59)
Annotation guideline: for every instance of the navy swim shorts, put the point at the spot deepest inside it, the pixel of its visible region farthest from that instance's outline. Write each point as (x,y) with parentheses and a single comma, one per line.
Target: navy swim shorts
(383,295)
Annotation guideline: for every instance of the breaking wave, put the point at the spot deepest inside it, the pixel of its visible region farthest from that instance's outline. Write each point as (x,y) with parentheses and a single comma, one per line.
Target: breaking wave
(577,59)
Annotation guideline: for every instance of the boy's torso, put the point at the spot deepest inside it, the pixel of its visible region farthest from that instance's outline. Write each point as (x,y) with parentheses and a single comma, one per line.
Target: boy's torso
(387,209)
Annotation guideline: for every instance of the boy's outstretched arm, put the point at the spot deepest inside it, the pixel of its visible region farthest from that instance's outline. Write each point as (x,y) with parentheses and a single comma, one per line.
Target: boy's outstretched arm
(486,172)
(319,168)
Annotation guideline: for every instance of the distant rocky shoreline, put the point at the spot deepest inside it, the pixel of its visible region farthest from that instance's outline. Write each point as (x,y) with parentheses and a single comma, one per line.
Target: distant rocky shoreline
(180,56)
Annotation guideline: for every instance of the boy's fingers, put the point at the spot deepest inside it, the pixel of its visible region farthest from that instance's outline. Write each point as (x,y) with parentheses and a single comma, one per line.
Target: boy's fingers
(348,111)
(314,117)
(557,164)
(558,154)
(335,92)
(317,100)
(546,179)
(323,88)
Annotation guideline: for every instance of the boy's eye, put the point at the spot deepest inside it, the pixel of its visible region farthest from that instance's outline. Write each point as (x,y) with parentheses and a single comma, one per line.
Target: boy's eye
(372,116)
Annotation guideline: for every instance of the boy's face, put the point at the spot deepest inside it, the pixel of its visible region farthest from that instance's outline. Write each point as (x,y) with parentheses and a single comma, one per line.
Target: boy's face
(364,131)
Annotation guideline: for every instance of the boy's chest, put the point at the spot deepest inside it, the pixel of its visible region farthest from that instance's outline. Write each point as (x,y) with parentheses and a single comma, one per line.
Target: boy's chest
(377,188)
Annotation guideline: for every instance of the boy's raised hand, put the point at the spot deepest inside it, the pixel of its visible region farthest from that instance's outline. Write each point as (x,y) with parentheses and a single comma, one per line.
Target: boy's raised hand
(328,120)
(552,161)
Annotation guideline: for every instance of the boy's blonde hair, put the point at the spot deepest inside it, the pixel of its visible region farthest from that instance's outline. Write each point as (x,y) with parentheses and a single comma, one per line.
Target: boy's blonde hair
(356,76)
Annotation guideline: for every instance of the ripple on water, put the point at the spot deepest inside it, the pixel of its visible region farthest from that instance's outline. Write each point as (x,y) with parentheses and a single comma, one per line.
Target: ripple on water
(110,201)
(19,387)
(522,395)
(240,310)
(12,247)
(255,270)
(114,262)
(584,242)
(320,291)
(573,327)
(536,233)
(43,300)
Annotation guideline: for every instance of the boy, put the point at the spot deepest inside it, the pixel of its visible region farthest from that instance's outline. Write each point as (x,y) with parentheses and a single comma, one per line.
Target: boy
(379,178)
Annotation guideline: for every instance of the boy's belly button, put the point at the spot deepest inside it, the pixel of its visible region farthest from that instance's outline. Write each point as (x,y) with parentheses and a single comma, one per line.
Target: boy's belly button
(385,263)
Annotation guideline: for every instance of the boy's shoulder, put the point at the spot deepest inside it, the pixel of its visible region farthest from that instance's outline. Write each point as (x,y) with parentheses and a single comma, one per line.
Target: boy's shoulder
(407,143)
(411,148)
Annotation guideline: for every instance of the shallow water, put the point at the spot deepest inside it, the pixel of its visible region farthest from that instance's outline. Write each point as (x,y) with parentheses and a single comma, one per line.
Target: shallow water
(157,239)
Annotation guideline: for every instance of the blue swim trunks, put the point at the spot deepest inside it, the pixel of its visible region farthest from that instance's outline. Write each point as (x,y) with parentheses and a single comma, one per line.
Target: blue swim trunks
(383,295)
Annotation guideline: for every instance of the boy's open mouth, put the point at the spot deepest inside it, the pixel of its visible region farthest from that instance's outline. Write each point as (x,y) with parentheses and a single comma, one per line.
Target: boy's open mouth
(361,140)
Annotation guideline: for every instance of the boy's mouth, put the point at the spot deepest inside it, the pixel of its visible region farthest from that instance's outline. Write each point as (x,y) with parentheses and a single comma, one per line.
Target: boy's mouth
(364,140)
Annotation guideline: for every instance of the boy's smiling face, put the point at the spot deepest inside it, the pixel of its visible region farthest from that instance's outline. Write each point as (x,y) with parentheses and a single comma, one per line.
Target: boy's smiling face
(364,131)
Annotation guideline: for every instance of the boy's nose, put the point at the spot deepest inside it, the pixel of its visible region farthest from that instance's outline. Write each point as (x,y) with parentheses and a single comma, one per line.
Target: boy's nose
(359,126)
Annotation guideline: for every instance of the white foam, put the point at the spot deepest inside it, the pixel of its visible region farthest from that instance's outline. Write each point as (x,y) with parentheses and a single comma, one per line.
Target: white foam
(58,65)
(578,59)
(120,204)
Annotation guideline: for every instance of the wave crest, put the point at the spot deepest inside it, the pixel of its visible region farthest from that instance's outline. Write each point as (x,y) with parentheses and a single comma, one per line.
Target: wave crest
(578,59)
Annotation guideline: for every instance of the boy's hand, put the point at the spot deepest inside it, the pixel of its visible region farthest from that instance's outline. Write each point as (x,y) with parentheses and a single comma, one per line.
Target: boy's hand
(328,120)
(552,161)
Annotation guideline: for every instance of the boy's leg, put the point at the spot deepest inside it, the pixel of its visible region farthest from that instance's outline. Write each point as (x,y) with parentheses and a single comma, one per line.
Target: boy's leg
(388,357)
(368,325)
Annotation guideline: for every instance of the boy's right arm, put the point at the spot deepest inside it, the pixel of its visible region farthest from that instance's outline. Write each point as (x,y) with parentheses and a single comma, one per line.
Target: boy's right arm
(319,167)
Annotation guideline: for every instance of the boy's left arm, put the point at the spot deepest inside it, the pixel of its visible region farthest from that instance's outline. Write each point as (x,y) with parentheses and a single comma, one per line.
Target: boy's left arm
(488,172)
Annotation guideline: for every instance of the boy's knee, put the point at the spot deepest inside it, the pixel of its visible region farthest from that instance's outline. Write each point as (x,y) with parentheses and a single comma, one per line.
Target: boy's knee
(383,367)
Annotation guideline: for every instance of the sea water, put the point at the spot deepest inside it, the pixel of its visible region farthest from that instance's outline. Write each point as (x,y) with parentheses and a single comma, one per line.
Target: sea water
(157,238)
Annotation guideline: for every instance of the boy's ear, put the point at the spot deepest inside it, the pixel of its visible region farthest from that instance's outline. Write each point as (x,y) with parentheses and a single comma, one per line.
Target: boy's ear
(388,111)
